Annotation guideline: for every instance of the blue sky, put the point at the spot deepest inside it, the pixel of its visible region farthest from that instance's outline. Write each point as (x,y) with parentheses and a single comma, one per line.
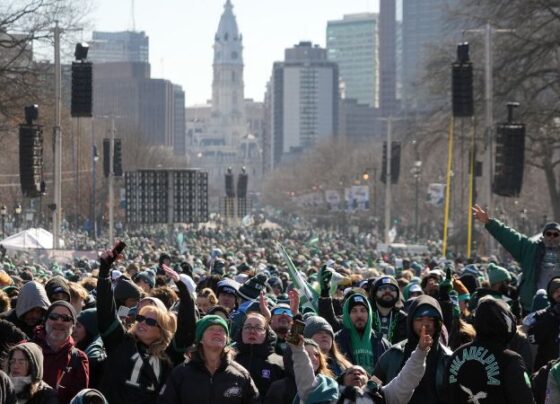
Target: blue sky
(181,34)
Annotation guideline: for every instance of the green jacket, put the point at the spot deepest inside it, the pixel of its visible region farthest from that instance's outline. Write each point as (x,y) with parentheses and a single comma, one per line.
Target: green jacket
(529,253)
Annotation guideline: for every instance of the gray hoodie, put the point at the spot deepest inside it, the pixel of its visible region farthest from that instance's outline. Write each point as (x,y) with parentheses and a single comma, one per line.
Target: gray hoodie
(32,295)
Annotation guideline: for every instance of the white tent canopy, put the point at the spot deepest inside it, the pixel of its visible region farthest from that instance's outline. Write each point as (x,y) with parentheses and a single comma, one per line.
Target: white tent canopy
(30,239)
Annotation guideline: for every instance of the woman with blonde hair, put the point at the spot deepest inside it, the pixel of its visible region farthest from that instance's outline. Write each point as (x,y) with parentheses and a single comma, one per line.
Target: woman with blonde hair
(137,365)
(206,299)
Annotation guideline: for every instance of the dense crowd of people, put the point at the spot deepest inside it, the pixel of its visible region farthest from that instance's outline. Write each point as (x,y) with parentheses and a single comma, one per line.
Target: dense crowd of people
(283,315)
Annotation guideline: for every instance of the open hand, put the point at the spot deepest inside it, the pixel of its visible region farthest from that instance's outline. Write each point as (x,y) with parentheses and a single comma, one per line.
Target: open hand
(170,273)
(480,214)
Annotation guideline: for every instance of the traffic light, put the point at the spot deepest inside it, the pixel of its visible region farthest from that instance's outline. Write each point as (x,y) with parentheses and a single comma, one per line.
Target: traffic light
(510,155)
(30,159)
(106,157)
(395,162)
(462,83)
(82,89)
(117,159)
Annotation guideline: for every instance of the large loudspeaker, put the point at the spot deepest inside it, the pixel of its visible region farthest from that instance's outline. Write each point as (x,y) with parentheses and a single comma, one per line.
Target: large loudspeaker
(30,159)
(462,83)
(242,183)
(82,89)
(510,155)
(230,189)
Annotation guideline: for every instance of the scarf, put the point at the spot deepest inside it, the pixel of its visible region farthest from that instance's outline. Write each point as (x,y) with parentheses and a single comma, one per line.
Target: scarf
(362,352)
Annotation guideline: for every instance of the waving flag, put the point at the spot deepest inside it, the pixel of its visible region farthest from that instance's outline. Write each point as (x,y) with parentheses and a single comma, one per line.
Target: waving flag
(308,296)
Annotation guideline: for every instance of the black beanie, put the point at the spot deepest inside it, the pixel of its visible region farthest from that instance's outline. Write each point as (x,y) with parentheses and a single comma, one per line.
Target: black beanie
(356,299)
(125,288)
(65,304)
(251,289)
(55,285)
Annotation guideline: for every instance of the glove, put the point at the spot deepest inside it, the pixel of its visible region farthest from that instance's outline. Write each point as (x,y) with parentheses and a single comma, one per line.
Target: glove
(445,286)
(325,280)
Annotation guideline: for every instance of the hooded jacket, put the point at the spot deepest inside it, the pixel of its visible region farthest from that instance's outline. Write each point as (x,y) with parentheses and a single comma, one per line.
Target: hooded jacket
(344,337)
(543,330)
(192,383)
(42,392)
(32,295)
(431,387)
(485,369)
(397,325)
(11,335)
(66,370)
(264,366)
(88,394)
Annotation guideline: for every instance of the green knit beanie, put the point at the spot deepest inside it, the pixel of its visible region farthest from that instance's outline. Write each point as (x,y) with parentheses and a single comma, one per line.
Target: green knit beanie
(497,274)
(207,321)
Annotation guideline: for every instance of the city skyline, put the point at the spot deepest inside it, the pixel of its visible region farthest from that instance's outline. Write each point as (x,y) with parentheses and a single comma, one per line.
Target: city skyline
(185,58)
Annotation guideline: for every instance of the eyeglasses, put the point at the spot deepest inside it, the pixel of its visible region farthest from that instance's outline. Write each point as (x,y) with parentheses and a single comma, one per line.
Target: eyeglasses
(282,310)
(256,328)
(552,234)
(152,322)
(64,317)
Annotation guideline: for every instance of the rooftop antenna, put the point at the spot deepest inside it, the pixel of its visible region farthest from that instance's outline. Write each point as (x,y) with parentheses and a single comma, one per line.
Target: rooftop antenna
(133,19)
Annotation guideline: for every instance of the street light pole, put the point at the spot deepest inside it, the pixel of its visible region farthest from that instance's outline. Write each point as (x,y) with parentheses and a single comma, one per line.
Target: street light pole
(3,213)
(57,146)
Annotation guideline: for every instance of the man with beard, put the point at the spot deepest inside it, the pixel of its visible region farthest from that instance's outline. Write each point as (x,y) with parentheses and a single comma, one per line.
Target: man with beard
(66,368)
(539,258)
(281,319)
(388,318)
(357,340)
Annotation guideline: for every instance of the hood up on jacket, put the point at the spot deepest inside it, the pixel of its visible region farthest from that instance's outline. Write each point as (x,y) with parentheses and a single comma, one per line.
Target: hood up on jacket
(32,295)
(34,356)
(416,304)
(494,321)
(86,395)
(551,287)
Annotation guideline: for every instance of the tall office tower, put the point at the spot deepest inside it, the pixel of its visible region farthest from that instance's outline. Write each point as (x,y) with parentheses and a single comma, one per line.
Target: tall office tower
(353,43)
(423,27)
(227,85)
(304,101)
(387,57)
(125,46)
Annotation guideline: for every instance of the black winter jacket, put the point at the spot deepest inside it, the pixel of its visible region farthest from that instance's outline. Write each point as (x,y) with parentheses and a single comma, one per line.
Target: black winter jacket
(485,369)
(192,383)
(264,366)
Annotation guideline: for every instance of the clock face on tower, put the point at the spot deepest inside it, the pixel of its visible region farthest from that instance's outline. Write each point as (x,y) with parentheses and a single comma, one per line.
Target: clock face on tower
(234,55)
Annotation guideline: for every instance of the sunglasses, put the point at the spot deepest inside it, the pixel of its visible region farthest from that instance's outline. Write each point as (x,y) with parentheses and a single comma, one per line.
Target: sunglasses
(383,288)
(552,234)
(282,310)
(64,317)
(152,322)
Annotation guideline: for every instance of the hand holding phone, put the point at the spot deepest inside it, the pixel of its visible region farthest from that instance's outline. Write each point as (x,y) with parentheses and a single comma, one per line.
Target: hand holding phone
(108,257)
(293,336)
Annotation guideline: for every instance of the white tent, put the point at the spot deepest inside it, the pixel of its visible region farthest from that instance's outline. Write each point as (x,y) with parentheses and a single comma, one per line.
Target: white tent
(30,239)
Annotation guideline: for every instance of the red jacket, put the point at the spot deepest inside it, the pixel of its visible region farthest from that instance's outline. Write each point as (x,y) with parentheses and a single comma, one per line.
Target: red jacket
(67,375)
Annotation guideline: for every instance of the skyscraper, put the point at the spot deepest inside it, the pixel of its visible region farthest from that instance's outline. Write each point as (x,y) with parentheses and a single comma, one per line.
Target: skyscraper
(125,46)
(353,43)
(304,101)
(423,26)
(387,57)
